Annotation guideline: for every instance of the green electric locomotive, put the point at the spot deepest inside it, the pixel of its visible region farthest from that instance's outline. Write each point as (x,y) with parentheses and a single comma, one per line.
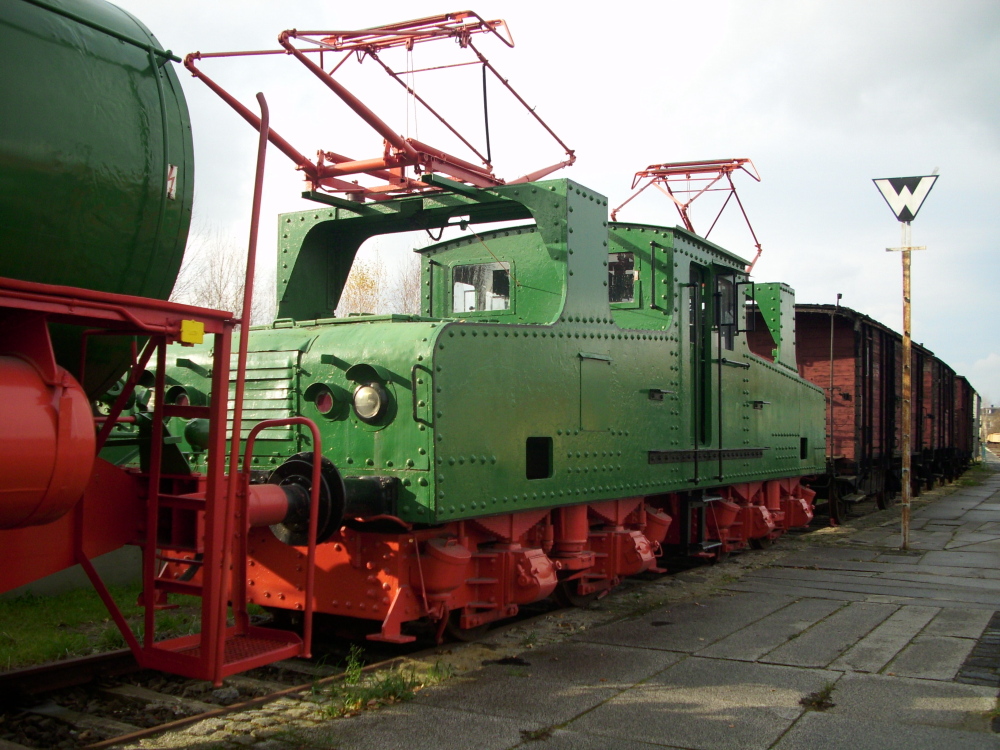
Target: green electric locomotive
(574,397)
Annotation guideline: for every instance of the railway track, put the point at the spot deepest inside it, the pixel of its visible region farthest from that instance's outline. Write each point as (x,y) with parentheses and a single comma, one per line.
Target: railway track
(106,700)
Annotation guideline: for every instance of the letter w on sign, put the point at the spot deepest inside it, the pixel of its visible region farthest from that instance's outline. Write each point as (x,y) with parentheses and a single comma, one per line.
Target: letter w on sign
(905,195)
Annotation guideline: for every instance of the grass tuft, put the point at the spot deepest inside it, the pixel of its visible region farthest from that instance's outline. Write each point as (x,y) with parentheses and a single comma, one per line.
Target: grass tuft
(820,700)
(363,692)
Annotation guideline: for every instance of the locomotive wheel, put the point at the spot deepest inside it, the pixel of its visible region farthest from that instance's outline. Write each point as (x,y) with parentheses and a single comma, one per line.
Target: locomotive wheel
(566,594)
(761,542)
(465,635)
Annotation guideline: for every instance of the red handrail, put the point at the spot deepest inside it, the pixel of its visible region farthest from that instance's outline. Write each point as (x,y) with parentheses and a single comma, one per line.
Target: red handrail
(313,509)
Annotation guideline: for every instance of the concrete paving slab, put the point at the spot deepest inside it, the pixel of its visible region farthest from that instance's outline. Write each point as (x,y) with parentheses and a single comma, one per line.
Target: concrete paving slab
(826,554)
(873,567)
(827,640)
(708,704)
(415,726)
(969,572)
(931,658)
(873,537)
(688,627)
(565,739)
(989,547)
(936,579)
(962,539)
(768,633)
(821,731)
(890,569)
(962,559)
(516,697)
(788,588)
(907,701)
(930,536)
(966,574)
(922,541)
(882,644)
(950,527)
(959,623)
(587,663)
(816,574)
(942,513)
(822,591)
(895,558)
(894,587)
(980,516)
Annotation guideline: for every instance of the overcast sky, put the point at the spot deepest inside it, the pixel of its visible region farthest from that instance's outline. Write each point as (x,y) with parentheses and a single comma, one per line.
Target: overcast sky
(823,96)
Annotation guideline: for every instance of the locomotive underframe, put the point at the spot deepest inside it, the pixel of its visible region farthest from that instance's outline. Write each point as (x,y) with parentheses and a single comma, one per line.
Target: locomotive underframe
(471,573)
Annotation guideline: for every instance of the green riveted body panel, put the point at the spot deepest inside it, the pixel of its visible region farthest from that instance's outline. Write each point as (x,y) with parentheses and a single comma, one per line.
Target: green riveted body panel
(555,362)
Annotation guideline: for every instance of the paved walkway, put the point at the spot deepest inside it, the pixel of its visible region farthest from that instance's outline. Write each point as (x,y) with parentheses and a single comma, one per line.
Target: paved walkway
(887,646)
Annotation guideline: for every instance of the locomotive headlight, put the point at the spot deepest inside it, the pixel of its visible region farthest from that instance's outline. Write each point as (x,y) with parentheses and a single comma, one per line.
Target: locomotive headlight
(370,402)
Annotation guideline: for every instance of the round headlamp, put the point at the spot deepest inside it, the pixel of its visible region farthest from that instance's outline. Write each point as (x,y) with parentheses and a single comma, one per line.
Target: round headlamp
(370,402)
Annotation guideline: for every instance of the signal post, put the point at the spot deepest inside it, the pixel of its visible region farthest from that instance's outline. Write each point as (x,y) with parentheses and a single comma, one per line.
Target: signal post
(905,195)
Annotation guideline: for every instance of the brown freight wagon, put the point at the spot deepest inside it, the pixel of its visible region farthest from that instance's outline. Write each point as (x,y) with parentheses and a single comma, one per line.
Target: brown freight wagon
(862,375)
(966,436)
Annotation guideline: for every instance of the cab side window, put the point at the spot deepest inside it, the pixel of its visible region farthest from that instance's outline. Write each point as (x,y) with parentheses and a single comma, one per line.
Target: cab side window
(621,277)
(726,310)
(481,287)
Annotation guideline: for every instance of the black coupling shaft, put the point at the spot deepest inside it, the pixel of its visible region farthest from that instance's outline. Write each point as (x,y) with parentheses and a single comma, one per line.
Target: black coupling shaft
(340,499)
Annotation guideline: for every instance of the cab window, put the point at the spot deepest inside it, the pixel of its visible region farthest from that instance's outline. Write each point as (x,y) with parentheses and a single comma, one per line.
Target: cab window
(621,277)
(726,300)
(481,287)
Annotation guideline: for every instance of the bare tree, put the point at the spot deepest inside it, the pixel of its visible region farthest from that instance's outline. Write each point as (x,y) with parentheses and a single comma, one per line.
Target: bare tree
(365,286)
(405,291)
(376,287)
(213,274)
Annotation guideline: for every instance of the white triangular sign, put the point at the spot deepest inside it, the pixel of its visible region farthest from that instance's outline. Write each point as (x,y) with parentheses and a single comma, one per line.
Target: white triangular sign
(905,195)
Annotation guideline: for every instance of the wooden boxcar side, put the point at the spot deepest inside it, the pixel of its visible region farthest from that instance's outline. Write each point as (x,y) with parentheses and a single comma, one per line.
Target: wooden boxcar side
(863,383)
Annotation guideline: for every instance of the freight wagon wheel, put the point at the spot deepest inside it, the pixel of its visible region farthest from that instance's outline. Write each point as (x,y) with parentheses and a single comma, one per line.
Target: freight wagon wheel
(465,635)
(838,508)
(886,500)
(567,595)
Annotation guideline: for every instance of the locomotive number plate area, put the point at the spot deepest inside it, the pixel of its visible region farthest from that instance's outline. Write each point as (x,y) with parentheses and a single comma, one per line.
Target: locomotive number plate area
(680,457)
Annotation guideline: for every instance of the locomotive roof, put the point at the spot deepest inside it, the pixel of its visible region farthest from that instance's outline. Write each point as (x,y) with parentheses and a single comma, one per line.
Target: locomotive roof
(721,253)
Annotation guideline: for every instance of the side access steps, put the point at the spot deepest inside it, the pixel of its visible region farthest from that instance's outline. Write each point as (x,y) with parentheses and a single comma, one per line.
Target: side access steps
(698,545)
(204,520)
